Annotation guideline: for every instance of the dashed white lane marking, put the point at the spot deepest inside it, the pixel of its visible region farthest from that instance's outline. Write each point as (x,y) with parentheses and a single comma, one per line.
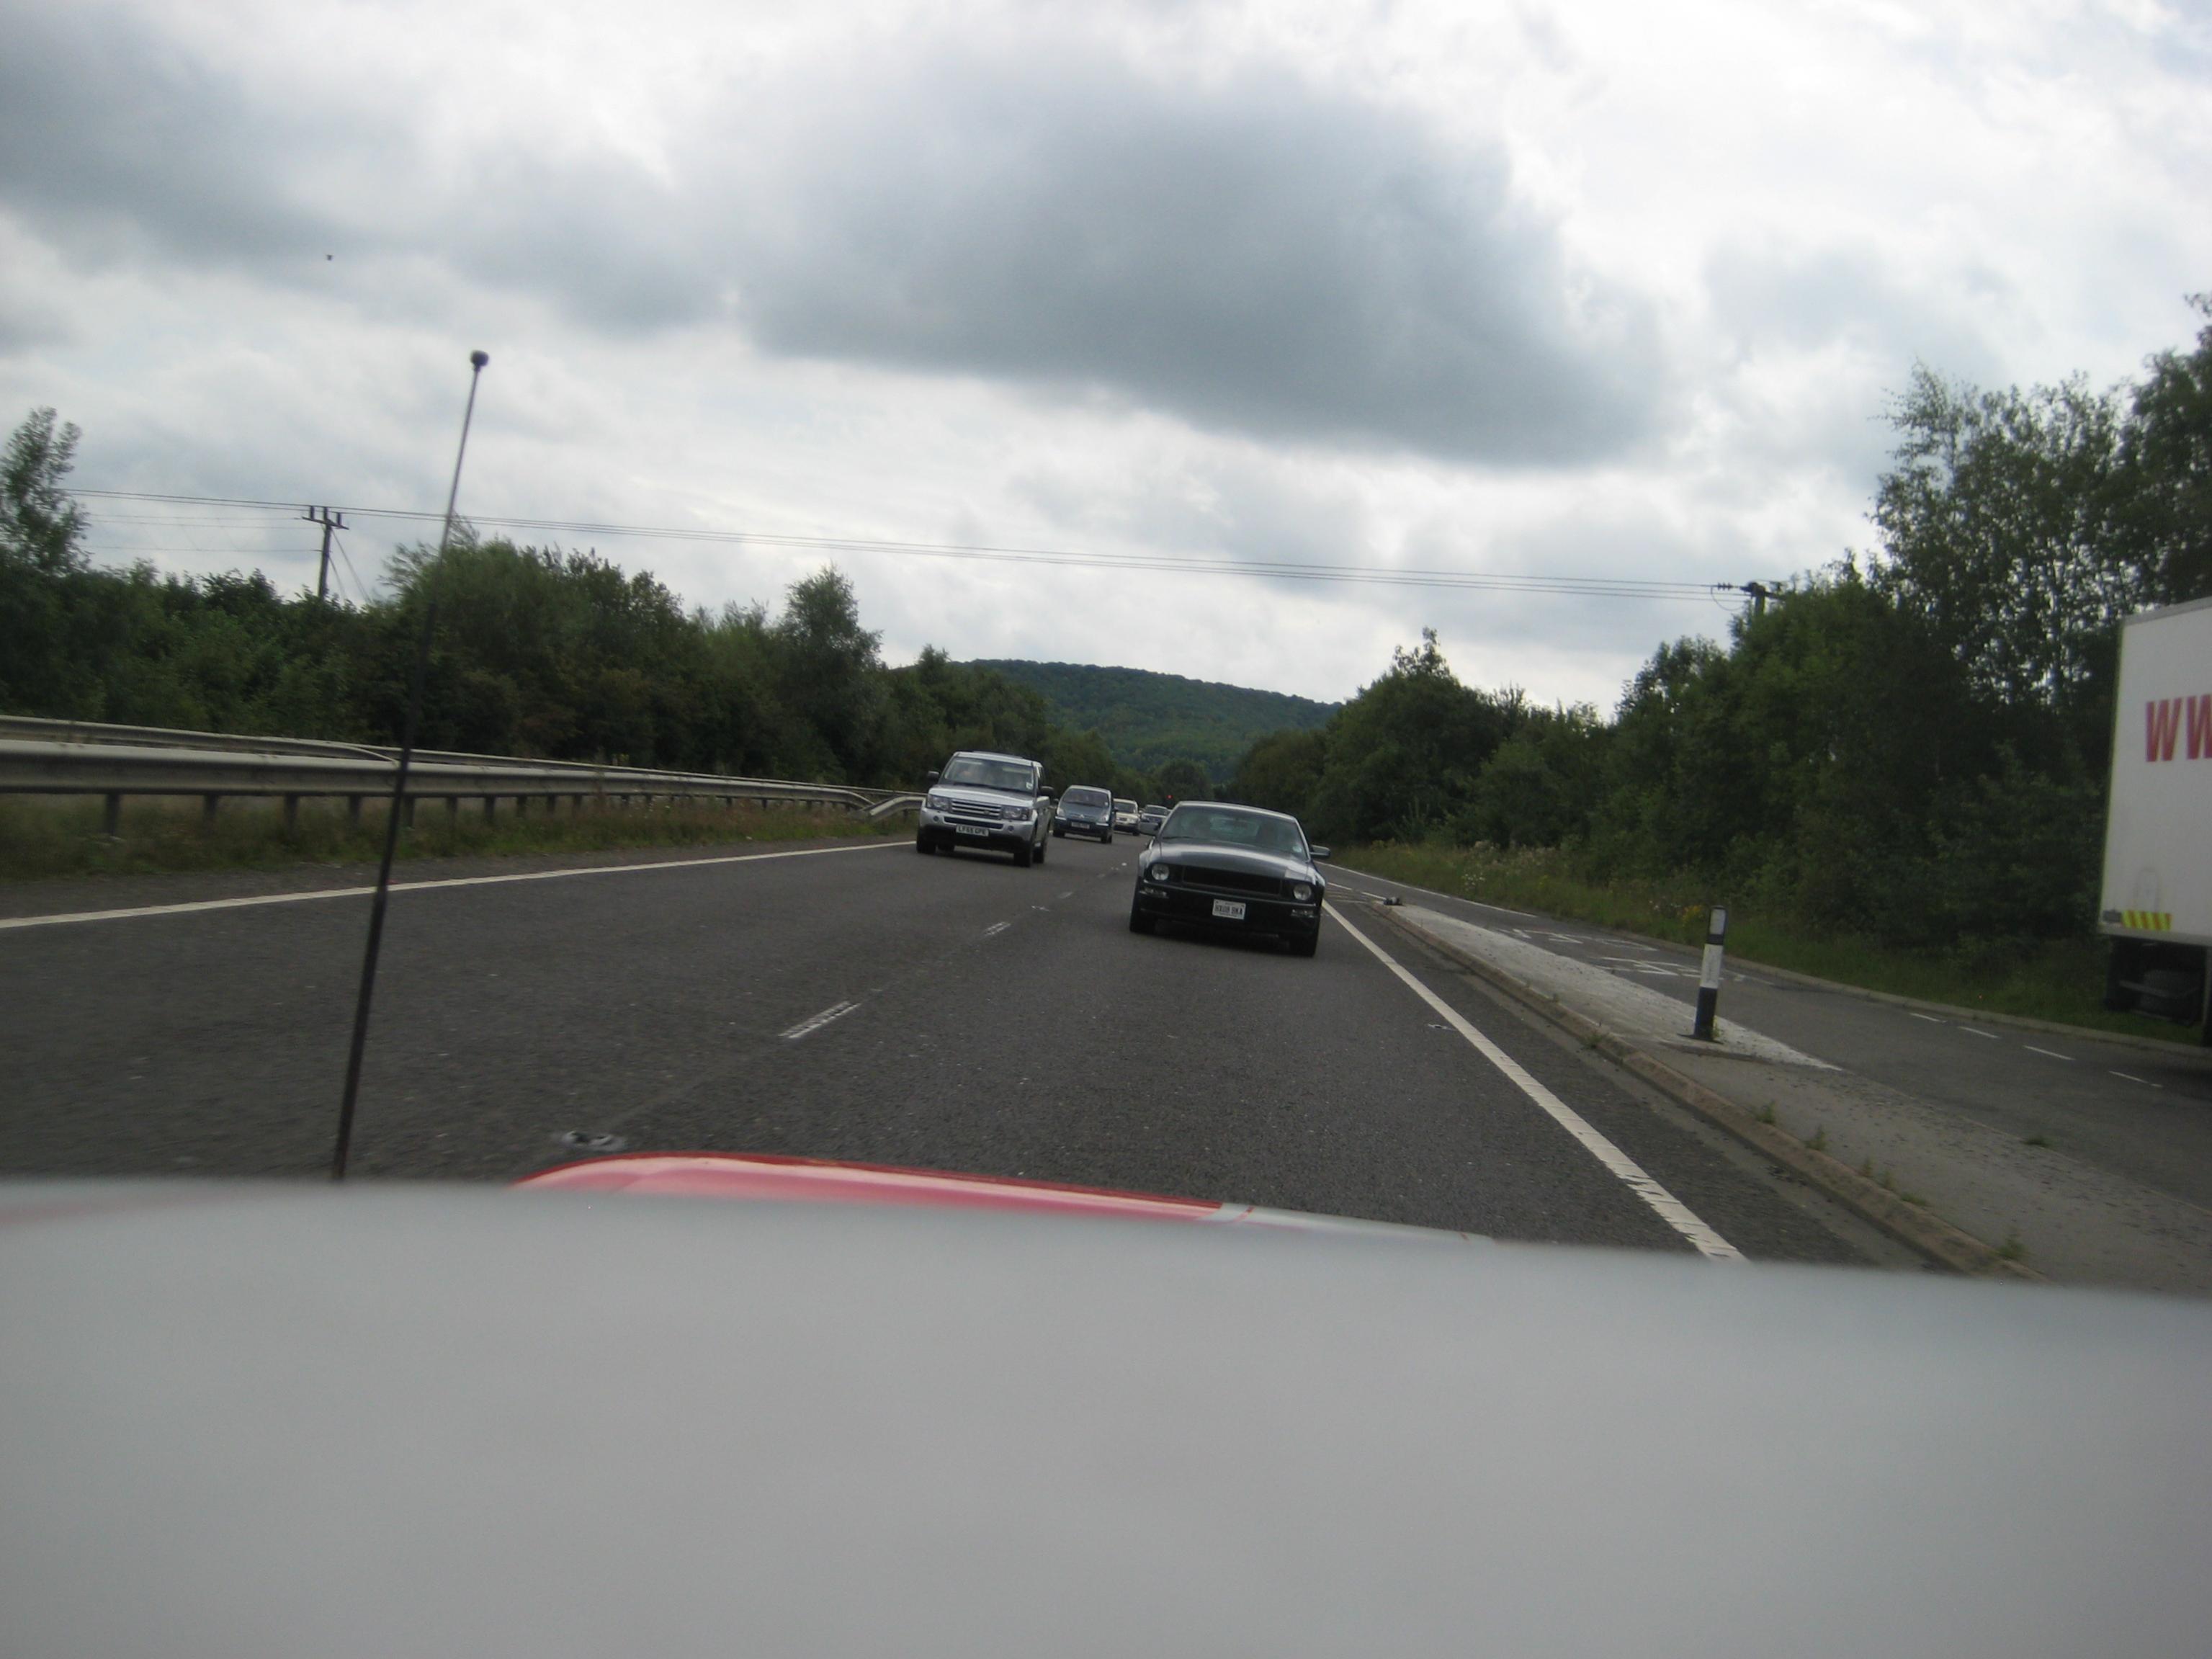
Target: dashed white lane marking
(1670,1208)
(422,886)
(1931,1018)
(835,1012)
(2053,1052)
(2145,1081)
(996,927)
(1974,1031)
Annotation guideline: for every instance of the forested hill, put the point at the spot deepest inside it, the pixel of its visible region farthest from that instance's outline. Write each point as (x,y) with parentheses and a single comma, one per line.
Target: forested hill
(1149,719)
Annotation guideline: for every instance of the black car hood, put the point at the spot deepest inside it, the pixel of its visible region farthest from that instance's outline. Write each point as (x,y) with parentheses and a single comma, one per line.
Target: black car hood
(1208,854)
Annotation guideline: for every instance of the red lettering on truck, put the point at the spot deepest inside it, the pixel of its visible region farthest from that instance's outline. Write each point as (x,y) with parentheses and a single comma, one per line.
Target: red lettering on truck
(2164,720)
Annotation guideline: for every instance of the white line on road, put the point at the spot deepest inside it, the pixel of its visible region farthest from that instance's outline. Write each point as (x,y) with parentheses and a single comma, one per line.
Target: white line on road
(1974,1031)
(836,1011)
(2145,1081)
(2053,1052)
(420,886)
(1931,1018)
(996,927)
(1670,1208)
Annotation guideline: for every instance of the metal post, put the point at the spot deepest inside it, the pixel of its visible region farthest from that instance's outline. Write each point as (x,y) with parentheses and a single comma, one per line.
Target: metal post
(353,809)
(491,808)
(110,817)
(1709,975)
(208,803)
(291,813)
(330,521)
(453,809)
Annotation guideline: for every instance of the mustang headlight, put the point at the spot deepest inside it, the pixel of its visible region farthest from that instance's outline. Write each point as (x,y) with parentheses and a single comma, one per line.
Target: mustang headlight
(1160,873)
(1302,891)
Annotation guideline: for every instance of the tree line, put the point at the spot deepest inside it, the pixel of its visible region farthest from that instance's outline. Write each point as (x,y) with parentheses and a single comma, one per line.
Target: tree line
(1913,746)
(538,652)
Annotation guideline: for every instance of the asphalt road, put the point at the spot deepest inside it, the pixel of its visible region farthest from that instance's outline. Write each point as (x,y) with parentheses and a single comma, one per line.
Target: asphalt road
(2142,1112)
(857,1002)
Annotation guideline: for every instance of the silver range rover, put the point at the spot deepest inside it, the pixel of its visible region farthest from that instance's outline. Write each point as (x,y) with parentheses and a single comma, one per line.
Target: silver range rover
(989,802)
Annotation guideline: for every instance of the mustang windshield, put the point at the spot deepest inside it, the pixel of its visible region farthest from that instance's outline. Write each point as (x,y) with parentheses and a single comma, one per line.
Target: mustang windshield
(1263,832)
(1010,775)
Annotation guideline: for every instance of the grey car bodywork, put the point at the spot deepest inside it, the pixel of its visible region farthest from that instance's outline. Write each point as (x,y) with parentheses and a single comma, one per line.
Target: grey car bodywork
(263,1420)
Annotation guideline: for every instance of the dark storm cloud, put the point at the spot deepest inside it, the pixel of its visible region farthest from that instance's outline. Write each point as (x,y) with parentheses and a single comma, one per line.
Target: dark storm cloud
(1251,252)
(111,139)
(1255,253)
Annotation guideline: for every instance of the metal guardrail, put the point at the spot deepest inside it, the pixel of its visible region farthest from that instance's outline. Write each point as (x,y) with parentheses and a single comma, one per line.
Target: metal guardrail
(76,758)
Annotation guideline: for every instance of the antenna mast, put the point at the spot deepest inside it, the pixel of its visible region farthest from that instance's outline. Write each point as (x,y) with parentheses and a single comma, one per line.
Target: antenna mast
(477,361)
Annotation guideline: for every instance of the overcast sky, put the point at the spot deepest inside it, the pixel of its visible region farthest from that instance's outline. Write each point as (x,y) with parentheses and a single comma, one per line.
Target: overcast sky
(1584,290)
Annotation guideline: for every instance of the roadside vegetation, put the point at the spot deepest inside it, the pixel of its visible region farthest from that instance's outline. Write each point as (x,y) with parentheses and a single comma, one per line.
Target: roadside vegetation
(2058,979)
(540,653)
(47,838)
(1894,773)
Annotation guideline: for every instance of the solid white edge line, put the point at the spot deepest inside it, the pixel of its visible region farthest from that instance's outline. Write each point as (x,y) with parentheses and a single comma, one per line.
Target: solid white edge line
(815,1023)
(252,900)
(1668,1208)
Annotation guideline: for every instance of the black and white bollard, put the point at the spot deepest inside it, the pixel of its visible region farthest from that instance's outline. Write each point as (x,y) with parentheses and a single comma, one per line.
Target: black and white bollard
(1709,975)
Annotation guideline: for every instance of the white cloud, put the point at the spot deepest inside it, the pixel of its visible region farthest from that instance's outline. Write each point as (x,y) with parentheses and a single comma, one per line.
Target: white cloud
(1590,291)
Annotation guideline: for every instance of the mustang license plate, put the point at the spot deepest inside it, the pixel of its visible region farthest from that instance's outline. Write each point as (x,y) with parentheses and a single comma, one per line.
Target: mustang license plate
(1228,909)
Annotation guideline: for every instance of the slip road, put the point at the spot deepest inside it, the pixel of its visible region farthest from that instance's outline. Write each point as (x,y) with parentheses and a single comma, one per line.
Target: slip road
(852,1002)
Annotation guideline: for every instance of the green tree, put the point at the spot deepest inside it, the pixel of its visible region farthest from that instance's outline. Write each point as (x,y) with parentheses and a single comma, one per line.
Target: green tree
(2166,471)
(1281,772)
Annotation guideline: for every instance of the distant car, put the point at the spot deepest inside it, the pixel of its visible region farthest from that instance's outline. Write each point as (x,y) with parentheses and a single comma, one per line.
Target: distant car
(1236,868)
(986,800)
(1125,815)
(1085,811)
(1150,820)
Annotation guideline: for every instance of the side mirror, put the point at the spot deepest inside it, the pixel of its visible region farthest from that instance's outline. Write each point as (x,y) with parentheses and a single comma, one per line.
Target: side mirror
(930,781)
(1318,854)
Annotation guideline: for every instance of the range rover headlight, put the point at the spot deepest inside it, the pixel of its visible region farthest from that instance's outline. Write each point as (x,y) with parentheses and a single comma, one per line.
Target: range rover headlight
(1301,891)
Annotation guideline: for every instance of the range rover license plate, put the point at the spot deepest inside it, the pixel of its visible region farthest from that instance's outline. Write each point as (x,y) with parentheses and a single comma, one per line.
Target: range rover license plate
(1228,909)
(970,830)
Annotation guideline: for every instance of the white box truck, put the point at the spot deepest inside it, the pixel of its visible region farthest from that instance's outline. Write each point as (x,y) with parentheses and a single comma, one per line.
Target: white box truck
(2156,900)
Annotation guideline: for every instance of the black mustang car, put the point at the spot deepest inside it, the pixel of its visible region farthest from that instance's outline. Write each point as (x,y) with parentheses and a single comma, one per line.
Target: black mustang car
(1231,867)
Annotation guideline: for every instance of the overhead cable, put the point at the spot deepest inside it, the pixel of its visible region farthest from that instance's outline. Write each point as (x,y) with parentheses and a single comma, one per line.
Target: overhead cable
(1209,565)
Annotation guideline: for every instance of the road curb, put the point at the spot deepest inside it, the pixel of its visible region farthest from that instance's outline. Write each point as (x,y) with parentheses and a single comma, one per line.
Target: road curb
(1938,1240)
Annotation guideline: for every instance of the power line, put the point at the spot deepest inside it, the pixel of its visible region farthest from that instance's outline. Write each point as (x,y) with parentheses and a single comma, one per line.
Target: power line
(1281,570)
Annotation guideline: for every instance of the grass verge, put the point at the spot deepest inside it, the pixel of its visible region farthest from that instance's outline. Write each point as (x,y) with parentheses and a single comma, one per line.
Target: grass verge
(2059,979)
(44,838)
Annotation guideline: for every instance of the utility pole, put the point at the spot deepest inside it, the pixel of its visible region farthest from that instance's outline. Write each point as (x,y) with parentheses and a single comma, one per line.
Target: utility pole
(1760,593)
(330,521)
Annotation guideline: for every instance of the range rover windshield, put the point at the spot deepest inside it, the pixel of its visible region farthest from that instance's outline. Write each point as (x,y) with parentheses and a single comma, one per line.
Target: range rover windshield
(1263,832)
(1010,775)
